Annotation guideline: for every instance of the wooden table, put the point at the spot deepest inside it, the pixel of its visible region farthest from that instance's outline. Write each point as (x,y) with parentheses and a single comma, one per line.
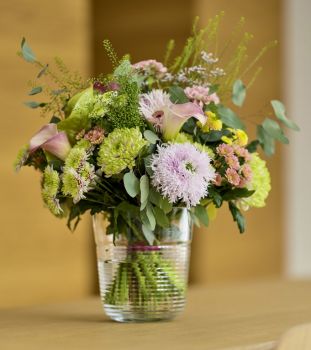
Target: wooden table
(240,316)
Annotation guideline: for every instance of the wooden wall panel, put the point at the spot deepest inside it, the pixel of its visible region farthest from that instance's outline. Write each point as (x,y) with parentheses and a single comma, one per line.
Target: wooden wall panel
(220,252)
(141,28)
(40,260)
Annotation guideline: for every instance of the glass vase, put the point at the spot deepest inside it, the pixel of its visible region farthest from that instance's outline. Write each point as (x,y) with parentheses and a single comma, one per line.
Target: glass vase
(140,282)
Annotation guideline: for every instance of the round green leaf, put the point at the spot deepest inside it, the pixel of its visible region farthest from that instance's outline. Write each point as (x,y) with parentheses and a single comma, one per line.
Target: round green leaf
(131,184)
(238,93)
(151,136)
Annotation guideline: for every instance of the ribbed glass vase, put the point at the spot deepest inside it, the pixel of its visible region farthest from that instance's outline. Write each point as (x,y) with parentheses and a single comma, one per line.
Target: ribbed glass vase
(141,282)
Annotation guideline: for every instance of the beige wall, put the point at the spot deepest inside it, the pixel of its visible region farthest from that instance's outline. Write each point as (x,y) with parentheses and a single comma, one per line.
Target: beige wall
(40,260)
(220,252)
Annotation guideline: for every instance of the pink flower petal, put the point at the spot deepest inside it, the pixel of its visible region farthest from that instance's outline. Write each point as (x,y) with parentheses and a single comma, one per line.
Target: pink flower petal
(58,145)
(44,134)
(177,114)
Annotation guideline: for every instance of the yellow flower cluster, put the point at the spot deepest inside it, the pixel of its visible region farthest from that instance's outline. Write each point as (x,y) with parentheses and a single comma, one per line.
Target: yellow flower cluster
(238,137)
(212,123)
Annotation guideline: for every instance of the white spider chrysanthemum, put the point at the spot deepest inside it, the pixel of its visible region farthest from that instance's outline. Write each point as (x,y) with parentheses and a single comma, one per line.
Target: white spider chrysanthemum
(182,172)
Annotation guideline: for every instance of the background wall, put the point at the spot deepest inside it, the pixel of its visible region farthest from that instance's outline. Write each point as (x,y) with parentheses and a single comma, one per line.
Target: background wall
(40,260)
(297,79)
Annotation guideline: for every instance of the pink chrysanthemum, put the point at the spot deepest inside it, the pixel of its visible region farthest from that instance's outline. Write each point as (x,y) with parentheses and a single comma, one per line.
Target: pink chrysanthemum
(217,180)
(232,161)
(201,94)
(153,65)
(225,150)
(242,152)
(233,177)
(182,172)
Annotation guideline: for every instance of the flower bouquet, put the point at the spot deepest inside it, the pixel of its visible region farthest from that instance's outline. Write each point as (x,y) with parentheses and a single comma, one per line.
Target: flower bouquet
(150,149)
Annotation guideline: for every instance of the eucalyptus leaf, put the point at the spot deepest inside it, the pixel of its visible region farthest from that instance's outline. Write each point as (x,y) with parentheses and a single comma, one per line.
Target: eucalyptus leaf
(143,204)
(36,90)
(237,193)
(151,136)
(274,130)
(147,162)
(150,216)
(252,146)
(201,213)
(161,217)
(27,52)
(131,184)
(238,93)
(42,71)
(214,135)
(144,188)
(279,110)
(34,104)
(266,141)
(149,235)
(165,205)
(237,216)
(177,95)
(230,118)
(55,120)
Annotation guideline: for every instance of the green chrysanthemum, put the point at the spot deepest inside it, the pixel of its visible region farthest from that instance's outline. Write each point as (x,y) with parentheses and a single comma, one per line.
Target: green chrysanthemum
(50,187)
(119,150)
(79,174)
(21,158)
(260,182)
(183,138)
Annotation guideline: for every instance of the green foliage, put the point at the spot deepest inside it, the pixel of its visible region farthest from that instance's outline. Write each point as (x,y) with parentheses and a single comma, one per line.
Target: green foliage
(230,118)
(279,111)
(266,141)
(144,190)
(78,118)
(201,213)
(238,93)
(124,109)
(34,104)
(110,52)
(169,49)
(61,83)
(131,184)
(36,90)
(151,137)
(27,52)
(237,216)
(274,130)
(177,95)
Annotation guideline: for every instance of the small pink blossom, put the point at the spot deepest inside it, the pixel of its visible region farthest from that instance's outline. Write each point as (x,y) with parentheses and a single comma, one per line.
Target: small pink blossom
(247,172)
(152,65)
(95,136)
(225,150)
(200,94)
(243,183)
(232,161)
(242,152)
(218,180)
(233,177)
